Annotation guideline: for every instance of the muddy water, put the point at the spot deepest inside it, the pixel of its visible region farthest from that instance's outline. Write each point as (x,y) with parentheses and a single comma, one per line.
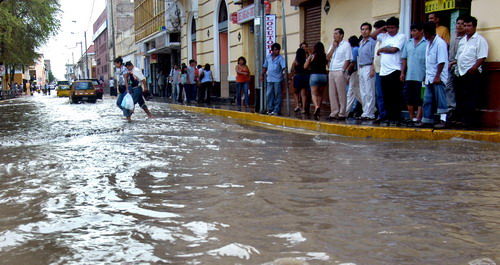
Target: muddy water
(78,185)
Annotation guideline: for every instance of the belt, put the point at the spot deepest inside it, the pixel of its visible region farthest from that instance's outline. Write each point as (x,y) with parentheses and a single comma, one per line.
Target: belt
(365,65)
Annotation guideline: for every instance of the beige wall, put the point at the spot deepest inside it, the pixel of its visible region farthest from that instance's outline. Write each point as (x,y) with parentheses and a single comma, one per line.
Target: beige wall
(347,14)
(486,12)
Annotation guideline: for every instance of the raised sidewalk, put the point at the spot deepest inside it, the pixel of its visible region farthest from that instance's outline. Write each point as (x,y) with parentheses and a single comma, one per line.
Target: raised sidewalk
(350,130)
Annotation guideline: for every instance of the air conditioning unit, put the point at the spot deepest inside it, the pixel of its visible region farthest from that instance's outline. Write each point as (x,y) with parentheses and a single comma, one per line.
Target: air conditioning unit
(238,2)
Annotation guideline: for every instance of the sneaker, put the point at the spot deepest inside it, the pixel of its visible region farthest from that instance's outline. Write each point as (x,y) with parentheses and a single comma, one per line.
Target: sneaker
(297,109)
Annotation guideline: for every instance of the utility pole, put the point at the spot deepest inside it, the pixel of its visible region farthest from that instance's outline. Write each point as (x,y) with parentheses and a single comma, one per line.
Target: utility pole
(86,55)
(285,50)
(259,27)
(112,28)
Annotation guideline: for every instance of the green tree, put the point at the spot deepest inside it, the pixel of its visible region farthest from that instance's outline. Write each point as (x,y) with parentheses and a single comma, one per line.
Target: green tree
(51,77)
(24,27)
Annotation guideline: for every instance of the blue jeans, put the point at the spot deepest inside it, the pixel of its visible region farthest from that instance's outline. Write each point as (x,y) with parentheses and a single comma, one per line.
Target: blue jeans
(274,97)
(434,99)
(242,88)
(175,92)
(136,93)
(379,94)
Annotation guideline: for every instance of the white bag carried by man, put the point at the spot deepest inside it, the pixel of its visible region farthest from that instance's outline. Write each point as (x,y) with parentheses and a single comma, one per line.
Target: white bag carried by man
(128,102)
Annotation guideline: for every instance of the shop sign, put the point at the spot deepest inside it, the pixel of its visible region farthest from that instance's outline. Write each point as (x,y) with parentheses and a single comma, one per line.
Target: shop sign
(439,5)
(234,17)
(154,58)
(270,31)
(246,14)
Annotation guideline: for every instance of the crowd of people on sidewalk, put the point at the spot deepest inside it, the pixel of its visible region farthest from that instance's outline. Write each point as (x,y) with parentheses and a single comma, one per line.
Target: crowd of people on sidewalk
(435,76)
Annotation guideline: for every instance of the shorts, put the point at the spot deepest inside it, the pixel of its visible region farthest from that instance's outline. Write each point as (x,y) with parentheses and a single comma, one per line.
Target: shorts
(301,81)
(318,80)
(412,93)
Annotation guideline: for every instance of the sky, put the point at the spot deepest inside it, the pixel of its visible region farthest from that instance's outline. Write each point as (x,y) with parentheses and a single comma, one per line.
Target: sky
(59,48)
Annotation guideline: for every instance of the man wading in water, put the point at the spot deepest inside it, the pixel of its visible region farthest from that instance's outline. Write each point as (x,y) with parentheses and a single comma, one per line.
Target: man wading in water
(133,80)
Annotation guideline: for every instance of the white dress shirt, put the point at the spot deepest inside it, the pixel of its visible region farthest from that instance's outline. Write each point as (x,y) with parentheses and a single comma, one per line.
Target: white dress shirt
(436,53)
(469,51)
(342,54)
(390,62)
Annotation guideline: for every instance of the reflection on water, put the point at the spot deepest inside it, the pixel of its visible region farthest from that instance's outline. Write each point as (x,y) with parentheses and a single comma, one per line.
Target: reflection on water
(79,185)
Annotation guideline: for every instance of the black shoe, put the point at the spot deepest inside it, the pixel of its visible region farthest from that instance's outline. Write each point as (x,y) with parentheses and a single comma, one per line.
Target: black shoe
(330,118)
(423,125)
(440,125)
(341,118)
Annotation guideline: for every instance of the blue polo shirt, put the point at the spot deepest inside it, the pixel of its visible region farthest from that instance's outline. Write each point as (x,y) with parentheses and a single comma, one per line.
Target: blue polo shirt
(275,68)
(366,52)
(415,60)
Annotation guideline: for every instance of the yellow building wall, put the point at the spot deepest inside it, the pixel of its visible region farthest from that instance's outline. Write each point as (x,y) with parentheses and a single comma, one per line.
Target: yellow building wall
(486,12)
(349,15)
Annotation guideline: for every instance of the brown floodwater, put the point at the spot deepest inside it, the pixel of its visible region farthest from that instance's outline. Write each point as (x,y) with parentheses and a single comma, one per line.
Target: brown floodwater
(79,185)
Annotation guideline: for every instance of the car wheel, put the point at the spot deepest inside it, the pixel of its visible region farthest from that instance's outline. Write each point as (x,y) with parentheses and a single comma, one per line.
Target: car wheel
(74,100)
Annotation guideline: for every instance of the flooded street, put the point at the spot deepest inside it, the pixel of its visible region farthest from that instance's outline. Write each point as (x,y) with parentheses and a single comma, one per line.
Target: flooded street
(79,185)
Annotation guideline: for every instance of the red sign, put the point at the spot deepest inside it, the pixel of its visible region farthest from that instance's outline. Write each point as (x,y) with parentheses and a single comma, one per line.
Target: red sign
(234,17)
(154,58)
(246,14)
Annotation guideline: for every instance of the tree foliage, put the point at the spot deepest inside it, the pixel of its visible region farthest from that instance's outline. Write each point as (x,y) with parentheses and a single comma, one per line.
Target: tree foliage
(51,77)
(24,27)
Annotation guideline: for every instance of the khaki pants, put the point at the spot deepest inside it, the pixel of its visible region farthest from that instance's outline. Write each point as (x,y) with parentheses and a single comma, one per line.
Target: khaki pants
(353,94)
(337,91)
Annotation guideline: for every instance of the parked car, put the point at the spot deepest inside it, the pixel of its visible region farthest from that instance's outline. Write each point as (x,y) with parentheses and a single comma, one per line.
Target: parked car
(99,87)
(63,88)
(83,90)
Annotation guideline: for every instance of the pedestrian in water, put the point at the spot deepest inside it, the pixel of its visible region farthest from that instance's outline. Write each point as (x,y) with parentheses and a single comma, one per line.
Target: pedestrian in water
(120,72)
(133,80)
(207,83)
(242,79)
(273,69)
(300,81)
(318,81)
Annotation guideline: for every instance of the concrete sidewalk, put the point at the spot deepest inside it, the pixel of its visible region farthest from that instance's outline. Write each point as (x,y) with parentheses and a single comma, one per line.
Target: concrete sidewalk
(351,127)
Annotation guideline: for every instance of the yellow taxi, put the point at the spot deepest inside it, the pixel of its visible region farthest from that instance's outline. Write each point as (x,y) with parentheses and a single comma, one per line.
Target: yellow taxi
(63,89)
(83,90)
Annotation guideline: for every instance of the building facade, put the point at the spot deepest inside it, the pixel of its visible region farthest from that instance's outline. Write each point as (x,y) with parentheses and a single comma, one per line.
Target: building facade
(100,39)
(219,31)
(121,32)
(158,41)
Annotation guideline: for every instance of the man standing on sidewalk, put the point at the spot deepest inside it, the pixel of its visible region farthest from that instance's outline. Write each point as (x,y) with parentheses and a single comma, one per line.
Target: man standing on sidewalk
(453,72)
(192,77)
(413,72)
(379,94)
(436,76)
(390,71)
(340,55)
(441,31)
(472,52)
(273,70)
(366,72)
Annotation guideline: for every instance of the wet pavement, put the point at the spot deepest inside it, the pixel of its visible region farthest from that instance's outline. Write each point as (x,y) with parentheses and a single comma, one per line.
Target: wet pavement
(79,185)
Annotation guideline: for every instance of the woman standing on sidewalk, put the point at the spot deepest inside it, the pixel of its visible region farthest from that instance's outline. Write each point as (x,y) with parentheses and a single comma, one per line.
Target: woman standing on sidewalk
(316,64)
(207,83)
(182,85)
(242,79)
(300,81)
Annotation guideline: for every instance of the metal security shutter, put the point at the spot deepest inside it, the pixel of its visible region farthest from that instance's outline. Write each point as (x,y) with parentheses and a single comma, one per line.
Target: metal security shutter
(312,22)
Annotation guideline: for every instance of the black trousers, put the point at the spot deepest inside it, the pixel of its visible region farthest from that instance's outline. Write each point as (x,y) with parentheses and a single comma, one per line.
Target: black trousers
(204,92)
(467,89)
(392,87)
